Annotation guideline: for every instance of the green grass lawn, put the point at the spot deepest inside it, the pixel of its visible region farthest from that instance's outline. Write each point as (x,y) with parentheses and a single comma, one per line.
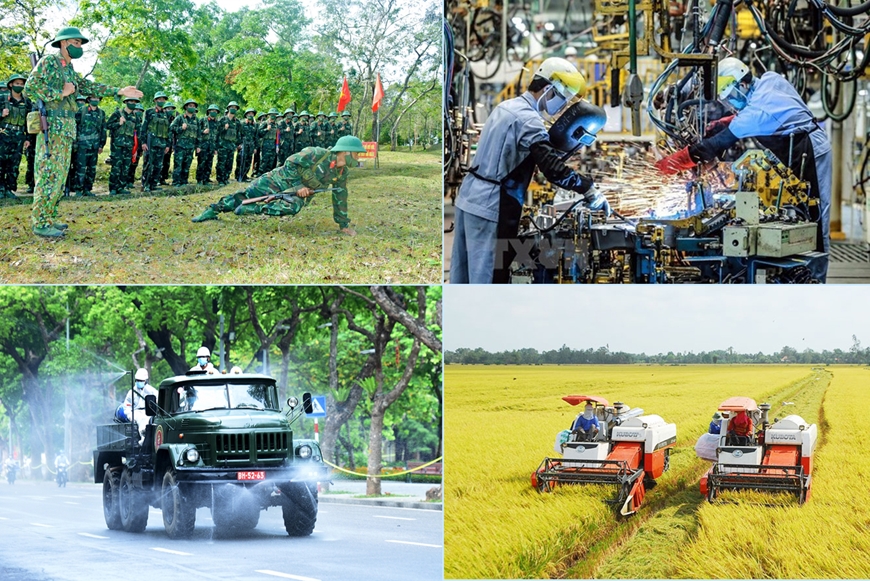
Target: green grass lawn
(149,238)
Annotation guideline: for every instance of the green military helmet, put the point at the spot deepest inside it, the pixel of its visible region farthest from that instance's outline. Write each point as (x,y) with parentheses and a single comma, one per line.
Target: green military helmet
(349,143)
(288,111)
(169,105)
(333,115)
(131,99)
(232,104)
(68,33)
(305,114)
(250,110)
(212,107)
(189,101)
(345,113)
(139,107)
(321,114)
(160,95)
(295,117)
(274,111)
(261,116)
(15,78)
(81,97)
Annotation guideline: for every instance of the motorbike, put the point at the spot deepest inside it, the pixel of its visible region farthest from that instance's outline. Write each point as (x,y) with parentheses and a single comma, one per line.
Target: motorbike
(11,472)
(62,476)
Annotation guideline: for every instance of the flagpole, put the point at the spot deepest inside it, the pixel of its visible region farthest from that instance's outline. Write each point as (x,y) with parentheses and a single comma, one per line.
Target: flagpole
(378,138)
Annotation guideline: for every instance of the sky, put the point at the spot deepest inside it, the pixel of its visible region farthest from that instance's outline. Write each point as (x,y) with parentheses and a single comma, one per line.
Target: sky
(656,319)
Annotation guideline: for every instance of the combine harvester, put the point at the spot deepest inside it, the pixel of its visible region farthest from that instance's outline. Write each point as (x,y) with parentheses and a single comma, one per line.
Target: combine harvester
(630,451)
(777,456)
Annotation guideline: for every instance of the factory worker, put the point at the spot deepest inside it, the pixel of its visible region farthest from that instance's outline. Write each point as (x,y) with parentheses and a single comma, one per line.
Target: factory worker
(716,424)
(513,142)
(586,424)
(769,110)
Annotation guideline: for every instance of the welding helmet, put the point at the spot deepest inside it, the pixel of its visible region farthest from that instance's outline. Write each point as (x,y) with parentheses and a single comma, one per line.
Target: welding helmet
(731,72)
(565,82)
(577,126)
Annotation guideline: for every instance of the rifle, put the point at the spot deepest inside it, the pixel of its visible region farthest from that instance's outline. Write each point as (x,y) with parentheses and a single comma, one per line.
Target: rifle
(277,141)
(146,171)
(40,106)
(285,197)
(242,169)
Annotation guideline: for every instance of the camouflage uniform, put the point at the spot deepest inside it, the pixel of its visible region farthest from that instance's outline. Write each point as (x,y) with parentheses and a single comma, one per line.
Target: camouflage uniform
(90,140)
(313,167)
(46,82)
(287,137)
(167,158)
(154,133)
(206,146)
(246,154)
(258,127)
(137,152)
(72,170)
(123,141)
(303,135)
(185,144)
(229,136)
(344,127)
(13,135)
(268,137)
(333,129)
(30,152)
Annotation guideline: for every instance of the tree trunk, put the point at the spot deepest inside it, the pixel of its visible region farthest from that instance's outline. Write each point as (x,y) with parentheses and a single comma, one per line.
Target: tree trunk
(142,74)
(373,480)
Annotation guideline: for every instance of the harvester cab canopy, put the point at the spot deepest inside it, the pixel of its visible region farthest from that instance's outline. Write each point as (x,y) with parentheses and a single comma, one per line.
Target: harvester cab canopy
(738,404)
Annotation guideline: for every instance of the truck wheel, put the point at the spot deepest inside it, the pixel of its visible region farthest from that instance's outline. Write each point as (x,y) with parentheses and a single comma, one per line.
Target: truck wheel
(179,514)
(235,515)
(299,509)
(132,504)
(111,510)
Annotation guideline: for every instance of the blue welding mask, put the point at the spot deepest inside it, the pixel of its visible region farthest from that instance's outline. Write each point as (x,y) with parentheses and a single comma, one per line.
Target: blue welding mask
(738,98)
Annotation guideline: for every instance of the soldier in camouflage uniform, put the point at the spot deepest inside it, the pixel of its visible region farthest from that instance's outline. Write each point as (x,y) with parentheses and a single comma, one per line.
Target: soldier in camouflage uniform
(303,133)
(122,125)
(311,169)
(229,140)
(333,128)
(154,135)
(269,144)
(13,135)
(249,145)
(205,145)
(287,137)
(167,159)
(319,130)
(90,141)
(185,134)
(258,125)
(81,101)
(344,127)
(54,81)
(4,93)
(138,112)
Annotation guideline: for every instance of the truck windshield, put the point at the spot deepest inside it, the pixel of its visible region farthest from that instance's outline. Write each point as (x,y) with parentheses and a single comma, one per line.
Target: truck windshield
(259,396)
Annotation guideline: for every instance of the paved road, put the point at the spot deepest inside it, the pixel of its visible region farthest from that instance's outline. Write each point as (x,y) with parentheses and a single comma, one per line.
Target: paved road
(53,534)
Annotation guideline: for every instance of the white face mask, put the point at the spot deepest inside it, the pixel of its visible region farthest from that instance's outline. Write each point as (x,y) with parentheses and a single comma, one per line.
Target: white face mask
(140,384)
(587,413)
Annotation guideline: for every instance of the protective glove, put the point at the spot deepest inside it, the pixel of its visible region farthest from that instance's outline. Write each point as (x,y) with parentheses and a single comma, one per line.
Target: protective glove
(718,125)
(596,201)
(675,163)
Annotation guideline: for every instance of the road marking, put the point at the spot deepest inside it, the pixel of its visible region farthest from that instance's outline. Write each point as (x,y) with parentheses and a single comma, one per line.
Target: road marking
(418,544)
(90,536)
(393,517)
(170,551)
(37,497)
(36,524)
(286,575)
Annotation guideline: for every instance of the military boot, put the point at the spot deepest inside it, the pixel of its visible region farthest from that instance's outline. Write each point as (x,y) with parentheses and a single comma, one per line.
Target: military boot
(48,232)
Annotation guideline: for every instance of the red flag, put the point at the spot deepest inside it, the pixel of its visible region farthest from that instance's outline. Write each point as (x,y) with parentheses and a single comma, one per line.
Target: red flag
(135,145)
(344,98)
(379,94)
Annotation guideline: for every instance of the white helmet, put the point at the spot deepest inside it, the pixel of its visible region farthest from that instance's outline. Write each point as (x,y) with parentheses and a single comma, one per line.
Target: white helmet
(236,370)
(203,352)
(142,374)
(731,72)
(566,82)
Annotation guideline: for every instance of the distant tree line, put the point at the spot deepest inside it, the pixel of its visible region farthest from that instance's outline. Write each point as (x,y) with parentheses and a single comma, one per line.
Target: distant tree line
(603,355)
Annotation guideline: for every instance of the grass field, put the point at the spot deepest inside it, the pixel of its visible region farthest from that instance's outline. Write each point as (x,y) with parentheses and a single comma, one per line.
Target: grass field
(149,238)
(500,422)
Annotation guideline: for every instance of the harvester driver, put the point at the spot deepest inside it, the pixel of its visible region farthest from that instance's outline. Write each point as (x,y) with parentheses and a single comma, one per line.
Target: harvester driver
(585,427)
(716,424)
(740,429)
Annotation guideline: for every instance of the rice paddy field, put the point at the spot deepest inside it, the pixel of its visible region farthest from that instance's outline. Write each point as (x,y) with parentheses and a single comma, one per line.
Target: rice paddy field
(501,421)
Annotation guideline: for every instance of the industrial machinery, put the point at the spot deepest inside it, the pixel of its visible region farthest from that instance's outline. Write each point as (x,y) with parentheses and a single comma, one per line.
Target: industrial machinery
(777,457)
(630,451)
(757,230)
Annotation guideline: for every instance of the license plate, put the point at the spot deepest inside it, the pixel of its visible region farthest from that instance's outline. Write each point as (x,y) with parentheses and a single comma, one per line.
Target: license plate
(253,475)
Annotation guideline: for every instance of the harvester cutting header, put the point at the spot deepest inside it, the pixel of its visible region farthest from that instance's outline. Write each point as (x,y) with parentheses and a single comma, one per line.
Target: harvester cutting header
(609,445)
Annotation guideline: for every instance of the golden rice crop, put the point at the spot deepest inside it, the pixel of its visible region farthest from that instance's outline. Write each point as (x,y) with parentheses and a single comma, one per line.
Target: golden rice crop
(501,421)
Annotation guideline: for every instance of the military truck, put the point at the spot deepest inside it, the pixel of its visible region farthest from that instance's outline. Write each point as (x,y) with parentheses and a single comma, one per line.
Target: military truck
(210,440)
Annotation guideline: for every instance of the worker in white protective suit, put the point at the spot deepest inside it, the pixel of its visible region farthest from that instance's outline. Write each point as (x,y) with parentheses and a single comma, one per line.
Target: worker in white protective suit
(133,407)
(202,361)
(513,142)
(769,110)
